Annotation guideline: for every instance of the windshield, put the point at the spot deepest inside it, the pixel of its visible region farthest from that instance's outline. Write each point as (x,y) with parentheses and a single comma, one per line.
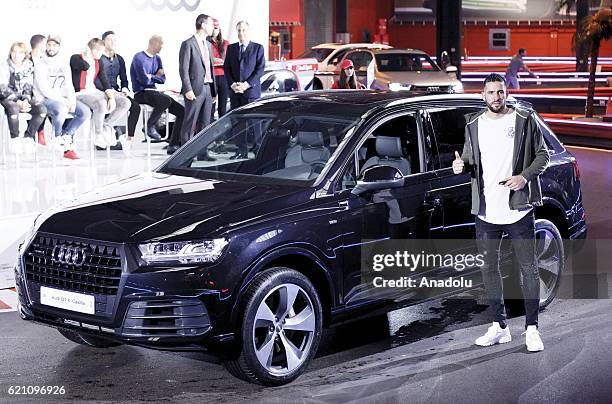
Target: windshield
(276,143)
(319,53)
(405,62)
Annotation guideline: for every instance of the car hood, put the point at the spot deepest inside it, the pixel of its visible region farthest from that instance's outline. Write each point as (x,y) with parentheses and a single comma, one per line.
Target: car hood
(155,206)
(416,78)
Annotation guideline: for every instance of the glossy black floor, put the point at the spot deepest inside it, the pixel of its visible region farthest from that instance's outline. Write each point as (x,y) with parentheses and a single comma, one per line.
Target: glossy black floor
(420,354)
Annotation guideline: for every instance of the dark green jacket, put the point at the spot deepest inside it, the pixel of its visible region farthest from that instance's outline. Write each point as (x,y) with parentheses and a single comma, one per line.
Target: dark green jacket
(530,159)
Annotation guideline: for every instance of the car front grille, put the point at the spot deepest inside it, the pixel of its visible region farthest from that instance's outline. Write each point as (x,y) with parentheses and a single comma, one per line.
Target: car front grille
(432,89)
(75,265)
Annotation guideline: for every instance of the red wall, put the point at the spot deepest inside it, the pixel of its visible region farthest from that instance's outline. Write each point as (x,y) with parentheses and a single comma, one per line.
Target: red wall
(363,14)
(421,37)
(539,41)
(298,40)
(289,11)
(286,10)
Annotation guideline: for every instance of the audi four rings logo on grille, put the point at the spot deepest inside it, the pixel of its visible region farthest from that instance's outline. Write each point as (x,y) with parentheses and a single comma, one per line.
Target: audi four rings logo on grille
(71,255)
(433,88)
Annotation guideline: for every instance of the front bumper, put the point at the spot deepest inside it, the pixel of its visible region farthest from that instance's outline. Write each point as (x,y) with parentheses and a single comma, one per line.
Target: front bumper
(168,310)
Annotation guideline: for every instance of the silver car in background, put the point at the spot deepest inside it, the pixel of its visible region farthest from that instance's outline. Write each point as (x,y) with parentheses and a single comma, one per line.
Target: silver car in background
(403,69)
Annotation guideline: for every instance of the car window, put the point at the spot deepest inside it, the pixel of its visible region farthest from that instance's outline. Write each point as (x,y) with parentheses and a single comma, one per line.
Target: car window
(338,56)
(319,53)
(404,62)
(361,60)
(271,144)
(394,142)
(448,125)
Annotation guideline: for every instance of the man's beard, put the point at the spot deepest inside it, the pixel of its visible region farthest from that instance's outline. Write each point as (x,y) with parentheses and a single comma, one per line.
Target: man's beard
(51,54)
(501,108)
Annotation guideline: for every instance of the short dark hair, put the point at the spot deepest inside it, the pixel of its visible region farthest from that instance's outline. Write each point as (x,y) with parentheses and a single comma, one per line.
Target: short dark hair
(521,51)
(493,77)
(200,20)
(107,33)
(36,40)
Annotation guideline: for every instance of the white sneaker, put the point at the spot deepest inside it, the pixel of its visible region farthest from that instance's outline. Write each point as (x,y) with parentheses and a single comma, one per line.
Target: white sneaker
(62,143)
(100,141)
(532,339)
(16,145)
(29,146)
(494,335)
(68,142)
(109,135)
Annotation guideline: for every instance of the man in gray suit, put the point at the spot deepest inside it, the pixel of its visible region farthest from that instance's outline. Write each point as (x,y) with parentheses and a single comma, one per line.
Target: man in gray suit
(198,79)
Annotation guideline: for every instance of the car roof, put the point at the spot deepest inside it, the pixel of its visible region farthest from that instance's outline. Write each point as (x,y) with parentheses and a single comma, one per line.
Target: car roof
(336,45)
(362,101)
(398,50)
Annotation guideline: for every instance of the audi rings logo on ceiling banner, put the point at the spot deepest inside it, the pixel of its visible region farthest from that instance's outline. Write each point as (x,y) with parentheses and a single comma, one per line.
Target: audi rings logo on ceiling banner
(172,5)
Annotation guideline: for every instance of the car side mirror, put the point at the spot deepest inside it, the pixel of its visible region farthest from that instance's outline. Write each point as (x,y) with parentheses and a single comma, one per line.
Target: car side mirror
(451,69)
(377,178)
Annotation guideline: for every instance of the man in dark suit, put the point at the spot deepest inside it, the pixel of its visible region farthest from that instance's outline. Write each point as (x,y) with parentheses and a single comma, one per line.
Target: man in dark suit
(197,79)
(244,66)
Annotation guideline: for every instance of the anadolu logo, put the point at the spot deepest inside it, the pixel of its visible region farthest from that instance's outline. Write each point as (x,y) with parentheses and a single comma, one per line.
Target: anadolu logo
(172,5)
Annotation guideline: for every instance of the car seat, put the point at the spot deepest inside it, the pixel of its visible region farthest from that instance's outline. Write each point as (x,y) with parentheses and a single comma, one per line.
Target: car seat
(389,153)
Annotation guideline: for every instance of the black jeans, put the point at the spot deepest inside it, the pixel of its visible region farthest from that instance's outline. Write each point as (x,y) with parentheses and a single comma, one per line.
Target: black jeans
(160,101)
(222,95)
(38,112)
(133,116)
(488,239)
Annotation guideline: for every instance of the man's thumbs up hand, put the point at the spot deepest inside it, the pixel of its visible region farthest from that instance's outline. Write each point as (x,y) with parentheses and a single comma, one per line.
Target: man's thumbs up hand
(458,164)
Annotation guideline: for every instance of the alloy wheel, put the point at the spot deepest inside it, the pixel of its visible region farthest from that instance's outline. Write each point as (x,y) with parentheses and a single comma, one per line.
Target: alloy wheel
(548,256)
(284,329)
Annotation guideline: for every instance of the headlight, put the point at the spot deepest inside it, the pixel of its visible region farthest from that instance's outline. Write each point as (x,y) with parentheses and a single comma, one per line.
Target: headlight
(399,86)
(457,87)
(182,252)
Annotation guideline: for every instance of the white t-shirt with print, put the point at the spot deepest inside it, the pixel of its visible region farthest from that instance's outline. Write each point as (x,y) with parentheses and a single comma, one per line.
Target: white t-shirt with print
(496,141)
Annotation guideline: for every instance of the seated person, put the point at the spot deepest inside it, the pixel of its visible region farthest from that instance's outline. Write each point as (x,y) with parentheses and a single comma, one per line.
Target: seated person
(93,89)
(17,95)
(146,72)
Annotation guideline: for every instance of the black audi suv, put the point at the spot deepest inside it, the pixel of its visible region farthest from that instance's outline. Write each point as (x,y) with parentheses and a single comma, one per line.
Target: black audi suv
(250,255)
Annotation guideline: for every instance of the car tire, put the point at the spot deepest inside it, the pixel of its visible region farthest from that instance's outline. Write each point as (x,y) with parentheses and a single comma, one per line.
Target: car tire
(277,339)
(550,255)
(88,340)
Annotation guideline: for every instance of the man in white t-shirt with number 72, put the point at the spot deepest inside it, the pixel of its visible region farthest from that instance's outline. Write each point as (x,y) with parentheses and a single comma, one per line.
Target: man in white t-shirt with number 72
(505,153)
